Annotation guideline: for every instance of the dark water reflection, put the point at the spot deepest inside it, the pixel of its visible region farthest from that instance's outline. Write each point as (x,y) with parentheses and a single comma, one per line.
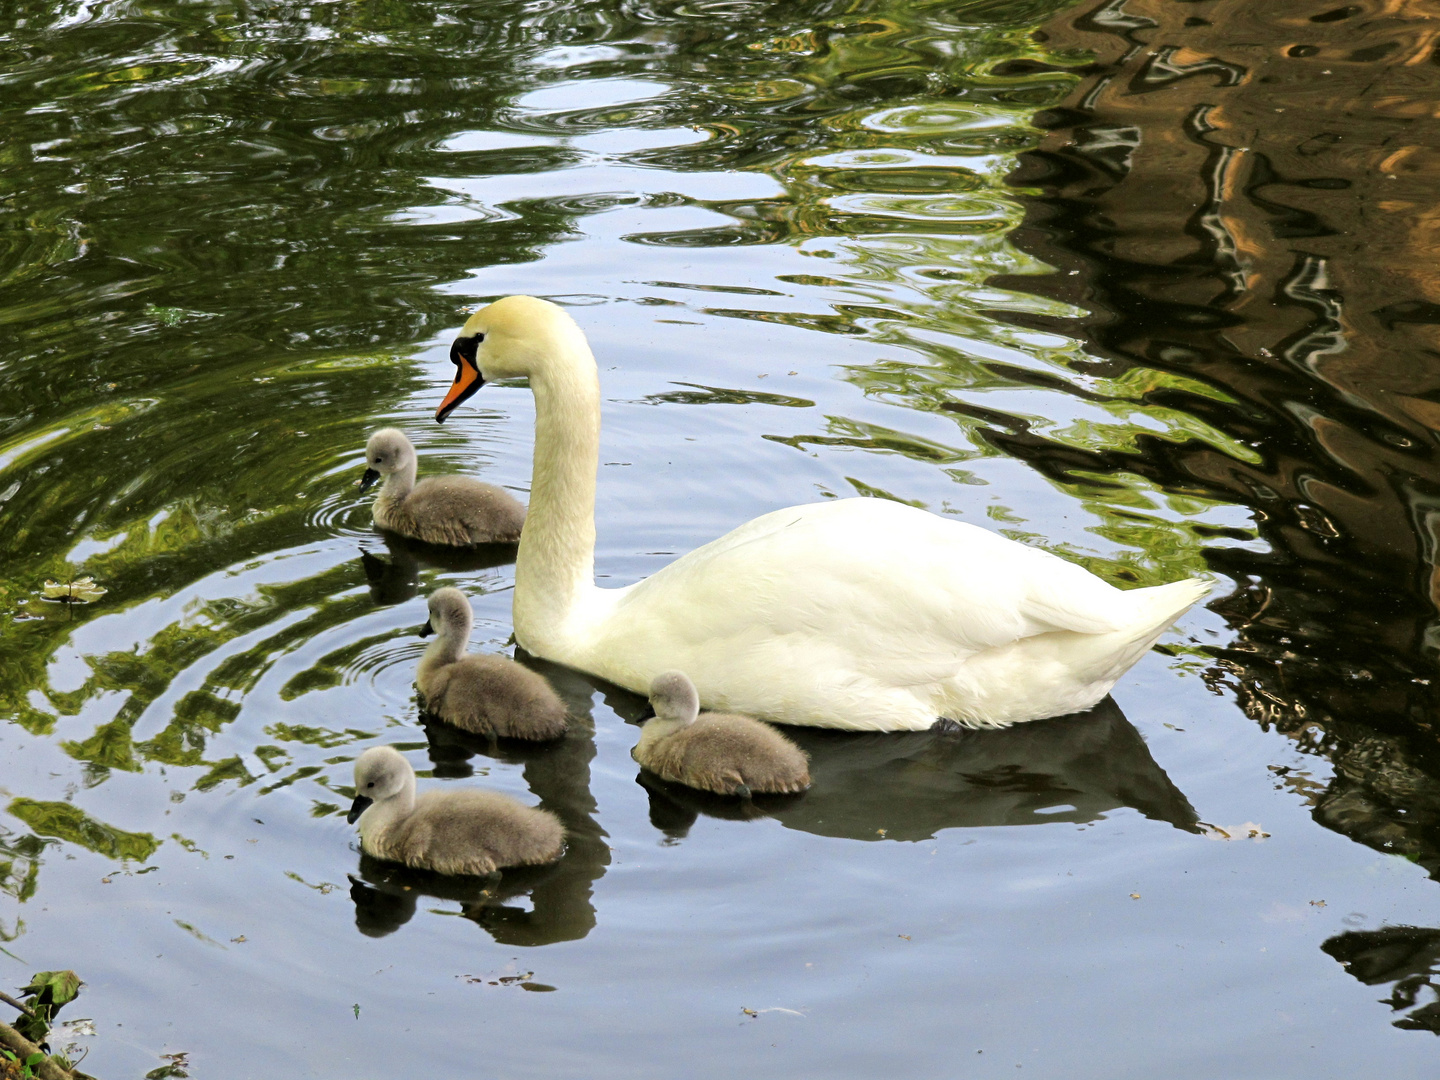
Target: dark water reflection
(1149,289)
(387,895)
(911,786)
(395,577)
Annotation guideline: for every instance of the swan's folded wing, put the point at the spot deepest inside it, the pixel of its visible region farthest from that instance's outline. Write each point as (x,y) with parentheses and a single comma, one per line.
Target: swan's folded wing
(881,585)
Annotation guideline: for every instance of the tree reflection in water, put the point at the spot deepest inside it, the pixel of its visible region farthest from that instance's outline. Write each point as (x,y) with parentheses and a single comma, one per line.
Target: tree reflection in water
(1408,956)
(1241,195)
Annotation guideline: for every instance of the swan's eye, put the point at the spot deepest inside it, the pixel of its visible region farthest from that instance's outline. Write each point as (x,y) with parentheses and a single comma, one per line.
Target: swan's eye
(370,784)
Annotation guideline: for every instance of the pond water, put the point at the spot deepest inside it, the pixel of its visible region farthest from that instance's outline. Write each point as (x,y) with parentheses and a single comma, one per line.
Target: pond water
(1143,282)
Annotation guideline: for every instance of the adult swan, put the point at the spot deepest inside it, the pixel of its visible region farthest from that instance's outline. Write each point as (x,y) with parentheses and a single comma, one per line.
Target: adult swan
(857,613)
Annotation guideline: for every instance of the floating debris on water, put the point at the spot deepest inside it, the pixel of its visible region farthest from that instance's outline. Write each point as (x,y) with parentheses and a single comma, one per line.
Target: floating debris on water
(1248,831)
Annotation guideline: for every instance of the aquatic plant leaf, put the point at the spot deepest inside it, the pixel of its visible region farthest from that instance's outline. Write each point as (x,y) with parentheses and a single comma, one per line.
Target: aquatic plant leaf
(177,1066)
(67,822)
(80,591)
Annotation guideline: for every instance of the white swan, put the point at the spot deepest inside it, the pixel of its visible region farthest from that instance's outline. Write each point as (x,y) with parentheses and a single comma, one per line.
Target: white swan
(862,614)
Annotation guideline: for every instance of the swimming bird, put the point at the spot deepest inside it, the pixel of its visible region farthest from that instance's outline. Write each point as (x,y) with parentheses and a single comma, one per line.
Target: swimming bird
(862,613)
(488,695)
(720,752)
(457,831)
(452,510)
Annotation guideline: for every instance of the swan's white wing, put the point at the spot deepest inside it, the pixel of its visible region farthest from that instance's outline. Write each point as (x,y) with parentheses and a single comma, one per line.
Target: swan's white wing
(879,586)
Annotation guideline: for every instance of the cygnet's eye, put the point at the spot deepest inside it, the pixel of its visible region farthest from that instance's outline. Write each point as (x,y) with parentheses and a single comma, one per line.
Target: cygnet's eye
(370,784)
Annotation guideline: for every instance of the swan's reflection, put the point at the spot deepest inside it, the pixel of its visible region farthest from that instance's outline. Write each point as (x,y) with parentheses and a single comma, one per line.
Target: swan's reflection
(910,785)
(396,578)
(386,895)
(1408,956)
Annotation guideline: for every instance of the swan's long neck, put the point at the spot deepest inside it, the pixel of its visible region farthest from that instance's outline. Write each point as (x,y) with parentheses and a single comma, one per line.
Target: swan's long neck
(555,567)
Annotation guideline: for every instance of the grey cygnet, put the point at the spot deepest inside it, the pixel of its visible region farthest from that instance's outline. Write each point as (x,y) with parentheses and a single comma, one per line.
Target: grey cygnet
(488,695)
(459,831)
(721,752)
(451,510)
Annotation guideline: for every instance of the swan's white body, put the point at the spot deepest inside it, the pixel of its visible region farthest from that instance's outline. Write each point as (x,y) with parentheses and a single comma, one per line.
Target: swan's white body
(861,614)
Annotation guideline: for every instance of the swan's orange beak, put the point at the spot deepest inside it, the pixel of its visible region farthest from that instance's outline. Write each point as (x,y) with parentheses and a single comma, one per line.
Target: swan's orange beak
(467,376)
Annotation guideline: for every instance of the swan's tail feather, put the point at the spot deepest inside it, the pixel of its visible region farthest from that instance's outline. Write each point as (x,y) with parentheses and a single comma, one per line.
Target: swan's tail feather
(1154,612)
(1156,608)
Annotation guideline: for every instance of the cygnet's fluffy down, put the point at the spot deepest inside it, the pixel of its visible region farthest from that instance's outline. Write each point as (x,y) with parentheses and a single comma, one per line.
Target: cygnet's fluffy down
(451,510)
(489,695)
(460,831)
(721,752)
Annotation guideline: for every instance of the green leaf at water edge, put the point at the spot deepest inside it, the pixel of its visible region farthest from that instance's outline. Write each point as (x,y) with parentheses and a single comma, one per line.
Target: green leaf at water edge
(47,993)
(53,987)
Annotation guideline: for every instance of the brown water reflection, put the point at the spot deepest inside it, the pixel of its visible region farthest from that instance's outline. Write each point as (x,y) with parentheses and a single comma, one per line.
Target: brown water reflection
(1242,194)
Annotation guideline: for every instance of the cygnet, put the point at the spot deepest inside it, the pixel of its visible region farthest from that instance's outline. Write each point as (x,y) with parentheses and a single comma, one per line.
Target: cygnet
(461,831)
(721,752)
(452,510)
(489,695)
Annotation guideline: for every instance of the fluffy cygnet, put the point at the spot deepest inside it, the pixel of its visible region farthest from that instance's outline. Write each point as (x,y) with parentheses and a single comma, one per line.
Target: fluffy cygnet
(722,752)
(489,695)
(461,831)
(452,510)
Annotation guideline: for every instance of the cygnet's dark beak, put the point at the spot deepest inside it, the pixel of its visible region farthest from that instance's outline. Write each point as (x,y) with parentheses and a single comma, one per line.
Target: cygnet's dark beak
(425,631)
(367,481)
(357,808)
(467,375)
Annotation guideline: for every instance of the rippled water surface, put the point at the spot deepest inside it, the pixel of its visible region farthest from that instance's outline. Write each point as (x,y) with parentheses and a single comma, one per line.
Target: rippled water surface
(1145,282)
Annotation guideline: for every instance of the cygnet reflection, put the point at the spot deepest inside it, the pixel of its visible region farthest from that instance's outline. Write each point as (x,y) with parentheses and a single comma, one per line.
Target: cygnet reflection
(558,773)
(911,785)
(387,895)
(395,577)
(674,808)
